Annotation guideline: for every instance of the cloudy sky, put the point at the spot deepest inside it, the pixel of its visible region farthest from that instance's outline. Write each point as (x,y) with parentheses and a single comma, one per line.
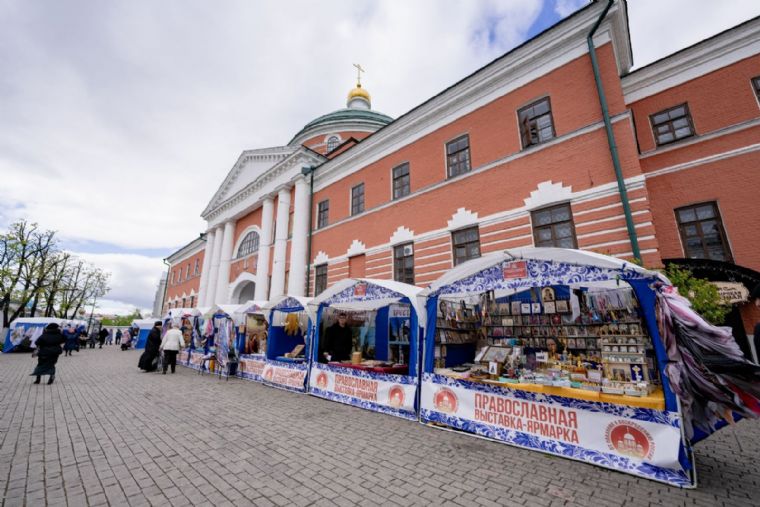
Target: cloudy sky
(118,119)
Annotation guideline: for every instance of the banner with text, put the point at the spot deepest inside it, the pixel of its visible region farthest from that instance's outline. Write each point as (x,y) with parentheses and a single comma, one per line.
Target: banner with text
(380,392)
(639,441)
(291,376)
(252,367)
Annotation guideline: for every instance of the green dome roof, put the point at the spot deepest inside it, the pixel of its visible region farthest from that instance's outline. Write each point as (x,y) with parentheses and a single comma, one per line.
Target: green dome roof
(348,115)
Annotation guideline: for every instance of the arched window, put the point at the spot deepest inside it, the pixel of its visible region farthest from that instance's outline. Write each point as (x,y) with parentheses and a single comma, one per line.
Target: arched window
(249,245)
(332,143)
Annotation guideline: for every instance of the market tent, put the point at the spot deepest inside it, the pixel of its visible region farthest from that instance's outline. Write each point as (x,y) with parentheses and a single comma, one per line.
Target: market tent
(144,325)
(390,374)
(463,403)
(281,371)
(24,331)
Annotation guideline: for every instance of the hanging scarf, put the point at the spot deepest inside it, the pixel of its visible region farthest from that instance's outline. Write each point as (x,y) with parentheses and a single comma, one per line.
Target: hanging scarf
(706,367)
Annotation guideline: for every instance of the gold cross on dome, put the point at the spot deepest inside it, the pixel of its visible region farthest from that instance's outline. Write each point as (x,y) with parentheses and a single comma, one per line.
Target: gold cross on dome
(359,71)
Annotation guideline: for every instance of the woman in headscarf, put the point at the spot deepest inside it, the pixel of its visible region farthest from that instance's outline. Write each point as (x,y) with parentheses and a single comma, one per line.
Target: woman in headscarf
(148,360)
(48,350)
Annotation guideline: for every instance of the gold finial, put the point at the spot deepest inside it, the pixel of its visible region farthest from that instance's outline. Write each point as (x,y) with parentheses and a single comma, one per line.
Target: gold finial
(359,71)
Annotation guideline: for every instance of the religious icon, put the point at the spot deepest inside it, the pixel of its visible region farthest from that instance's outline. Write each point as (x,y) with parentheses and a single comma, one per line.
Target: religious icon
(547,294)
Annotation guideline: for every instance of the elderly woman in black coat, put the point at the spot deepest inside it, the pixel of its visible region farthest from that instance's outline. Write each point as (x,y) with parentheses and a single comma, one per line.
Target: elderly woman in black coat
(48,350)
(148,358)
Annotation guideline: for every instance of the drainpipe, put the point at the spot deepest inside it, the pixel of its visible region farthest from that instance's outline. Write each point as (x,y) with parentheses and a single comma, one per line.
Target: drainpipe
(611,136)
(310,171)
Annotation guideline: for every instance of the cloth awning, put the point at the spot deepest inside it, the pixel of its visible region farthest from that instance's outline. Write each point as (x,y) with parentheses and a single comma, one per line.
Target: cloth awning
(369,294)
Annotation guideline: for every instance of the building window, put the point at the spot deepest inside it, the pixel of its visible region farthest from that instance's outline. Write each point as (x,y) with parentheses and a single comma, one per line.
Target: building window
(756,86)
(702,232)
(458,156)
(401,181)
(536,124)
(672,125)
(553,227)
(403,263)
(192,301)
(171,281)
(357,199)
(249,245)
(322,210)
(332,143)
(466,245)
(197,268)
(183,303)
(187,271)
(320,279)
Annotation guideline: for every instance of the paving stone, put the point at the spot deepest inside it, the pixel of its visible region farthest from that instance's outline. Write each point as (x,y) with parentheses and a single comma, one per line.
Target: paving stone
(187,439)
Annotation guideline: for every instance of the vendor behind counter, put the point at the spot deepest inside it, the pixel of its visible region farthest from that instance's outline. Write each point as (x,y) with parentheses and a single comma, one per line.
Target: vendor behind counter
(364,340)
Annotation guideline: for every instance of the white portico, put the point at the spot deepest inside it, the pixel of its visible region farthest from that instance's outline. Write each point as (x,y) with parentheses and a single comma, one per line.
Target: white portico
(249,233)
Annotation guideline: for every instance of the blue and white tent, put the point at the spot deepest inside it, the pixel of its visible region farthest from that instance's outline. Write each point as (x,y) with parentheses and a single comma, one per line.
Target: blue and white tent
(23,332)
(144,325)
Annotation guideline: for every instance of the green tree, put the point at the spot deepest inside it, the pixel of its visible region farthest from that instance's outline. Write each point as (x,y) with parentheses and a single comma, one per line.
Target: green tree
(123,320)
(702,294)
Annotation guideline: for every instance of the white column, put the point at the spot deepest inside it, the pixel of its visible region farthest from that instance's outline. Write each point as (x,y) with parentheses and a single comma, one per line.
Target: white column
(223,282)
(280,242)
(205,270)
(214,268)
(265,244)
(299,241)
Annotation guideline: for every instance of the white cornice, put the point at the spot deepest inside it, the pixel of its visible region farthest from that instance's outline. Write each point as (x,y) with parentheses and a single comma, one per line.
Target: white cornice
(261,155)
(250,196)
(552,49)
(337,126)
(707,56)
(186,251)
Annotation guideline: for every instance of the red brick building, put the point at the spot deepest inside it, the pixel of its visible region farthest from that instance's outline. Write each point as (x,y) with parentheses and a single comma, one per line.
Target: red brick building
(516,154)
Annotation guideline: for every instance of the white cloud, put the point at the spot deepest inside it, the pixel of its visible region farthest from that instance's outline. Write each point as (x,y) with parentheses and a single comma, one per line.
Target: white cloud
(661,28)
(134,279)
(566,7)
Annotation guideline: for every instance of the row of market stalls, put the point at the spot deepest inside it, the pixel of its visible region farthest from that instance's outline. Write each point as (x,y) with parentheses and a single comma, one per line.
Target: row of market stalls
(23,332)
(565,352)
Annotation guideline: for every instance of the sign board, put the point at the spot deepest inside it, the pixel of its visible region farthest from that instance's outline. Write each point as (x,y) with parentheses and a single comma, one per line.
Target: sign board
(517,269)
(638,441)
(732,292)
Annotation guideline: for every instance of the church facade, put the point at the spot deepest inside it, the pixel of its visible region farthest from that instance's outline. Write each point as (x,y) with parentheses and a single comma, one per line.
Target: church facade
(556,143)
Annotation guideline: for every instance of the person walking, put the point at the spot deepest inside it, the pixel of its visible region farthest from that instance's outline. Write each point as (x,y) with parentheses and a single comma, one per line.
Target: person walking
(102,335)
(126,340)
(117,337)
(48,350)
(72,340)
(148,358)
(109,337)
(171,345)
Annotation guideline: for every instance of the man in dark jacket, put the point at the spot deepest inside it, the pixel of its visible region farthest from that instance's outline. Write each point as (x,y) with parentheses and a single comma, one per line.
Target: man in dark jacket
(148,358)
(48,350)
(339,342)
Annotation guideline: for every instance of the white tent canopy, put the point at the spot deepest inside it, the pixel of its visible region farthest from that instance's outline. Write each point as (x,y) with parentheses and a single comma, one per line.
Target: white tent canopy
(252,306)
(38,320)
(401,290)
(144,323)
(176,313)
(565,256)
(276,300)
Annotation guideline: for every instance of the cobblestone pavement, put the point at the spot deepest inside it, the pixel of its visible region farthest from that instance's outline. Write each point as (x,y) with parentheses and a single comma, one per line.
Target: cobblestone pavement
(106,433)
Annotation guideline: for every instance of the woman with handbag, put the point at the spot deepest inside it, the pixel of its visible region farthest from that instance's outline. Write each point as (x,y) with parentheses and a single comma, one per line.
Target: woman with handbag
(48,350)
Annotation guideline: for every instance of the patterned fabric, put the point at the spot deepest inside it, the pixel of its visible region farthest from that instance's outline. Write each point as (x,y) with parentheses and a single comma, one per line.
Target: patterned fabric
(368,405)
(520,439)
(539,274)
(374,293)
(386,377)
